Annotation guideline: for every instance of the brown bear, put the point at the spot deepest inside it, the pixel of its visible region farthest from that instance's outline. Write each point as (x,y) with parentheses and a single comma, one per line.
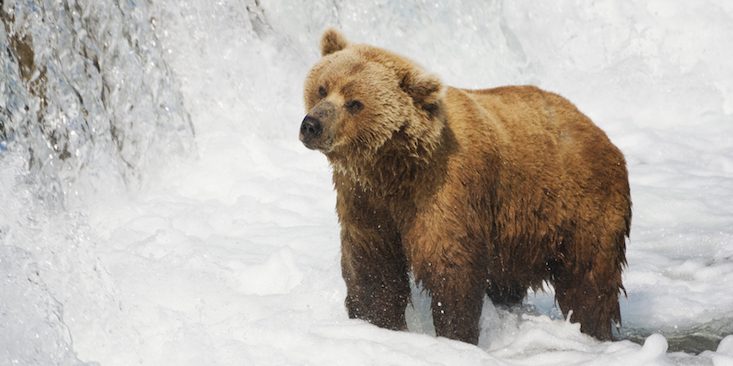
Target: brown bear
(475,192)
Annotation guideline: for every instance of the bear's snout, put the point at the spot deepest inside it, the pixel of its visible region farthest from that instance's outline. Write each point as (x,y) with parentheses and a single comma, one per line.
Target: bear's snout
(310,130)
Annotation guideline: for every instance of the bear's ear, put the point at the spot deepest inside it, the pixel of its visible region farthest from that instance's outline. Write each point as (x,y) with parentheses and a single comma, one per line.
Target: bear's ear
(425,89)
(332,41)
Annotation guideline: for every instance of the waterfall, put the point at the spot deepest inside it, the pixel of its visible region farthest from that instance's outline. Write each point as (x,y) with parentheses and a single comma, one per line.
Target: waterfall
(87,103)
(86,94)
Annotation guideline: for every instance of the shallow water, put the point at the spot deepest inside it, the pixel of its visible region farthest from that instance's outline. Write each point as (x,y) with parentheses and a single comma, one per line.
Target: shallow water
(697,339)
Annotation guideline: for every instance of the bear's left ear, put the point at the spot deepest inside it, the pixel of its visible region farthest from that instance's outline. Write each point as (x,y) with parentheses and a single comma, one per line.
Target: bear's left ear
(332,41)
(425,89)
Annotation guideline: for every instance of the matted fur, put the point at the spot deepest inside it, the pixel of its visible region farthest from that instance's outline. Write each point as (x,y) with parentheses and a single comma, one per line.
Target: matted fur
(474,191)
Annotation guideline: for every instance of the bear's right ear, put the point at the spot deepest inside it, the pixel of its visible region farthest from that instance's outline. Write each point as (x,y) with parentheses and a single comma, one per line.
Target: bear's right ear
(425,89)
(332,41)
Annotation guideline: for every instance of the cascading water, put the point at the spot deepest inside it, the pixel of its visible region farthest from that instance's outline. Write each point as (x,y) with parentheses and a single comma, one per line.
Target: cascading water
(86,90)
(87,102)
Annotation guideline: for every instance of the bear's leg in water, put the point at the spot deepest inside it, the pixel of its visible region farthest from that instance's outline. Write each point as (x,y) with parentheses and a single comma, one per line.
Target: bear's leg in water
(590,288)
(457,291)
(375,271)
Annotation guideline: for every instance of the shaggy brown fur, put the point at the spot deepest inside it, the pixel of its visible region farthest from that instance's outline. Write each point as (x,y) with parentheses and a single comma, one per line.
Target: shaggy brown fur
(475,191)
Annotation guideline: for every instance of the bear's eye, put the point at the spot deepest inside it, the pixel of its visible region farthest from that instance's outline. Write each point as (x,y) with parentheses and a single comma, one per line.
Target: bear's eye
(354,106)
(322,92)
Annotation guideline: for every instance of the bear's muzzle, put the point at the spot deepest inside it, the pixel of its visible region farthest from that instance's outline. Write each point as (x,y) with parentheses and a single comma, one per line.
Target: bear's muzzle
(310,132)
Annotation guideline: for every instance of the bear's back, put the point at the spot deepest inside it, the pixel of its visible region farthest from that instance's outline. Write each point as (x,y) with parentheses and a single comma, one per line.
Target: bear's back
(544,133)
(555,165)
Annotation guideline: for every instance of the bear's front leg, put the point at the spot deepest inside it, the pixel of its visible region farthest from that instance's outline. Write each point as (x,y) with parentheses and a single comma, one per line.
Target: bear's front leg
(377,285)
(451,263)
(373,266)
(457,298)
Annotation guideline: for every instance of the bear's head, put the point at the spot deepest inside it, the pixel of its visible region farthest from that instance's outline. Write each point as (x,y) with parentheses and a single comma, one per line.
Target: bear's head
(362,100)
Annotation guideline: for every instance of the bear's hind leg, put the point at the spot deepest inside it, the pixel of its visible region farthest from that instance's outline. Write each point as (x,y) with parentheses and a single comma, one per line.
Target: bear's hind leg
(593,307)
(588,285)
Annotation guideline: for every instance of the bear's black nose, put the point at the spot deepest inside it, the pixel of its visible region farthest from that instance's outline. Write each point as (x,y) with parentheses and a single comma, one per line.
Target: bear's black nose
(310,128)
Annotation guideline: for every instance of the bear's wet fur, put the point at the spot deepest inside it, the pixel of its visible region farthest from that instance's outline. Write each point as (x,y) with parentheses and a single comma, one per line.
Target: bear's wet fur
(475,192)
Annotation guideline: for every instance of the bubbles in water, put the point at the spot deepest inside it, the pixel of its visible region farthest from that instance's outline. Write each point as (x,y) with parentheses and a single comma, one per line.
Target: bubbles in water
(655,345)
(726,346)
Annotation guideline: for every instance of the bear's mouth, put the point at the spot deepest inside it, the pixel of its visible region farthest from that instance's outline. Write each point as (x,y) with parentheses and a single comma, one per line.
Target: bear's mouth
(325,146)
